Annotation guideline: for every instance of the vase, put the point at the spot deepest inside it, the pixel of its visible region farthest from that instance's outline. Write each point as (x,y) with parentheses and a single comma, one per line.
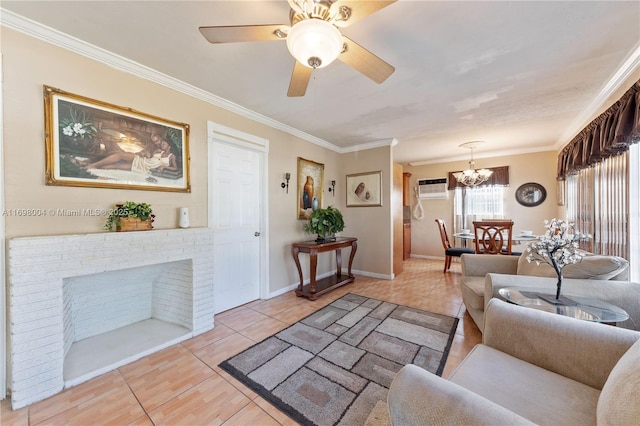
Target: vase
(325,238)
(126,224)
(307,191)
(314,204)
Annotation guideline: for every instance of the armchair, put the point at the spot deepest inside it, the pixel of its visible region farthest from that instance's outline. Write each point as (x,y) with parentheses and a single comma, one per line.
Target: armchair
(533,367)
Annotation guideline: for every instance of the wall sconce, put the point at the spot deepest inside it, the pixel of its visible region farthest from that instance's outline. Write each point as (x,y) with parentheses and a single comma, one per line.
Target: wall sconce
(333,187)
(284,185)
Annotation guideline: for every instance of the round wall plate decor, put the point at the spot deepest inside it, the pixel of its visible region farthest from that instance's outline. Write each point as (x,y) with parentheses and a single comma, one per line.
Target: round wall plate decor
(531,194)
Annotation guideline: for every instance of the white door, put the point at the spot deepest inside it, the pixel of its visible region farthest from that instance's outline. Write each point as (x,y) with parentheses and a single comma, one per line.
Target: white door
(236,213)
(3,290)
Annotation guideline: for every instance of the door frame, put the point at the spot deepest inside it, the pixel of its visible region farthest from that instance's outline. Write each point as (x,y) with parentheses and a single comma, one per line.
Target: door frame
(3,285)
(220,134)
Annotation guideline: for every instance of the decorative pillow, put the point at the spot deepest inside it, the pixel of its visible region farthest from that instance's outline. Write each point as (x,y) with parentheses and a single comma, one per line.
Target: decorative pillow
(619,402)
(592,267)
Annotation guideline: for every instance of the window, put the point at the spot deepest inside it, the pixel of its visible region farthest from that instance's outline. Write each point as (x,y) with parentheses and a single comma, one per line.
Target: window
(474,203)
(604,200)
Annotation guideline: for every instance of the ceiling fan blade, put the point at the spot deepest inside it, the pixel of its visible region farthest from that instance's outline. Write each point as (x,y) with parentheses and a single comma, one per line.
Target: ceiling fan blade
(357,10)
(239,33)
(299,80)
(365,62)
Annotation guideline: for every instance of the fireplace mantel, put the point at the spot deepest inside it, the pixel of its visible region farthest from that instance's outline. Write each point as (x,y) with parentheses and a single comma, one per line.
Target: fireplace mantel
(39,267)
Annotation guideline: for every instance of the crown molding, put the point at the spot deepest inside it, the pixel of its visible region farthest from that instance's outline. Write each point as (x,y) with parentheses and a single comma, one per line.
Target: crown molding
(485,154)
(35,29)
(628,67)
(370,145)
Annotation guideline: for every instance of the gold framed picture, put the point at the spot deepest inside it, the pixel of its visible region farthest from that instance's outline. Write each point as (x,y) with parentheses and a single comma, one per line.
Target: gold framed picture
(95,144)
(310,187)
(364,189)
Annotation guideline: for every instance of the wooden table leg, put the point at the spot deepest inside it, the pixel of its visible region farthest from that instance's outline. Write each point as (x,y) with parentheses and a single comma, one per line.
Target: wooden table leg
(313,266)
(294,252)
(354,247)
(339,263)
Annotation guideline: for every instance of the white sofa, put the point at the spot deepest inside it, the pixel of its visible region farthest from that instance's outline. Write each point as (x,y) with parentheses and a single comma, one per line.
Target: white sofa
(533,367)
(600,277)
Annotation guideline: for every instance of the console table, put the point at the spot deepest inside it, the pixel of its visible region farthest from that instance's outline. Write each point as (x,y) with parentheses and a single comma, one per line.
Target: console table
(317,287)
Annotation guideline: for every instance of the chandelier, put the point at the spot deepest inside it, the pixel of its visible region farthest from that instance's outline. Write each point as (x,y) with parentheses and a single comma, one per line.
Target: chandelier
(471,176)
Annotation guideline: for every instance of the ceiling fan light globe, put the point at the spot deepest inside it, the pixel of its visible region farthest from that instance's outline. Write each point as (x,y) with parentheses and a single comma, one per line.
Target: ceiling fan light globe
(314,38)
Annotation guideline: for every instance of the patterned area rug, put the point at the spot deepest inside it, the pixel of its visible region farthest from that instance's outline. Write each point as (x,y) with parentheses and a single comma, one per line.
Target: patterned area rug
(332,367)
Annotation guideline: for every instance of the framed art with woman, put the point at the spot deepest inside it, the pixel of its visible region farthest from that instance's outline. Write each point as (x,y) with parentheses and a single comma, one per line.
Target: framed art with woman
(94,144)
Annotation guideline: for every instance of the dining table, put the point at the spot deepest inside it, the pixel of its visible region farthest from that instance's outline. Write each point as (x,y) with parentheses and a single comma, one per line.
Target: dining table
(516,238)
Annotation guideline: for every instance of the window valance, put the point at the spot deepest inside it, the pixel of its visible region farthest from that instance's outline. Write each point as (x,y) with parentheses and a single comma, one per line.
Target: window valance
(500,176)
(609,134)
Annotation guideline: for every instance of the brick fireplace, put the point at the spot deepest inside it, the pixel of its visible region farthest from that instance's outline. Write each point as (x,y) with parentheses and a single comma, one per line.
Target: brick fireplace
(82,305)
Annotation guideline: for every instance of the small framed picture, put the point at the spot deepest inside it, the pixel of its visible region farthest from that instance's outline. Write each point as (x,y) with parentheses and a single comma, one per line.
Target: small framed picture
(310,185)
(364,189)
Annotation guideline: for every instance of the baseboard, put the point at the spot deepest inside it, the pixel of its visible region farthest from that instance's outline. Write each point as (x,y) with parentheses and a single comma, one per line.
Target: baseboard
(422,256)
(292,287)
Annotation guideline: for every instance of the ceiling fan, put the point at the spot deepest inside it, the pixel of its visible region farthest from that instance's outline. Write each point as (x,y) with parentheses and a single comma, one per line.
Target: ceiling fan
(314,39)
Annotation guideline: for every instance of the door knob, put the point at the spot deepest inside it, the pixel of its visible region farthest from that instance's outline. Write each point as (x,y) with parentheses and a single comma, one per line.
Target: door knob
(256,234)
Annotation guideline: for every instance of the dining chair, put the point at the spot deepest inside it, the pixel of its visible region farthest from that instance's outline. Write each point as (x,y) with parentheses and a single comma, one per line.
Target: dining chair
(450,252)
(493,236)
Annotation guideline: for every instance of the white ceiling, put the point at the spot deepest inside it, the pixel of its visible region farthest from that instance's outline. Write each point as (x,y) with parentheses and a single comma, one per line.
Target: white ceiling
(521,75)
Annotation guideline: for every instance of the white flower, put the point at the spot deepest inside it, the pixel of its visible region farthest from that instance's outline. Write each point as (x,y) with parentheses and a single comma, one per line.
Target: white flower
(75,130)
(557,247)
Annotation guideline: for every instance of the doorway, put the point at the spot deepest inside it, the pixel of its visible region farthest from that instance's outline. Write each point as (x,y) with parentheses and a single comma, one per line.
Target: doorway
(237,205)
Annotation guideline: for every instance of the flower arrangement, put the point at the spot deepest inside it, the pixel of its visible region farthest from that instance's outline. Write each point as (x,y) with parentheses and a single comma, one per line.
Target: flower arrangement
(558,247)
(78,125)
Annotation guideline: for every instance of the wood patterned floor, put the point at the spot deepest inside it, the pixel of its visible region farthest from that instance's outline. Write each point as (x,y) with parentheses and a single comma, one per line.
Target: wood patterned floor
(182,385)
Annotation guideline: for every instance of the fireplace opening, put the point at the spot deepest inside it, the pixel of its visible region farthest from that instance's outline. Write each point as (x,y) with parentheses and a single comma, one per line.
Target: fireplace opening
(114,317)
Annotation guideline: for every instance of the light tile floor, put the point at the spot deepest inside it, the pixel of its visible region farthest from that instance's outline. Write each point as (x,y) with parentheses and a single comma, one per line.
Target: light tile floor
(183,385)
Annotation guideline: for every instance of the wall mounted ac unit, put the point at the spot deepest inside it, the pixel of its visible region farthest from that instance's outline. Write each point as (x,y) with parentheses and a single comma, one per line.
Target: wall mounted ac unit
(433,188)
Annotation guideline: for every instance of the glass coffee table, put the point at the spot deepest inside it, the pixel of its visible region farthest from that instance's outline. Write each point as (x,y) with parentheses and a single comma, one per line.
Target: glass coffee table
(578,307)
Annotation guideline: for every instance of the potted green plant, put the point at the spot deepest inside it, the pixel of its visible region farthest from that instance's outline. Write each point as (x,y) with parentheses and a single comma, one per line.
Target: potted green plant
(130,216)
(325,223)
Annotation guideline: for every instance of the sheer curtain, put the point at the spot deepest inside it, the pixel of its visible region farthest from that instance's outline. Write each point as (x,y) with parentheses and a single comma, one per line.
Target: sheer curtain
(634,213)
(598,203)
(475,203)
(580,203)
(611,231)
